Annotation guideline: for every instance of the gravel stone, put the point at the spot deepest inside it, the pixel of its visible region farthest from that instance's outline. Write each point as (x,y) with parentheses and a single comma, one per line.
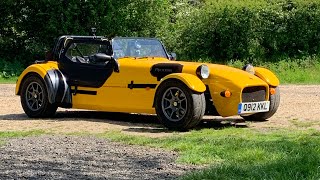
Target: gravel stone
(79,157)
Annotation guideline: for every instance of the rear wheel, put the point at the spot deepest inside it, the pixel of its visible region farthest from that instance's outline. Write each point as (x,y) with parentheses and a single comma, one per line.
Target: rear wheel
(177,107)
(274,104)
(34,98)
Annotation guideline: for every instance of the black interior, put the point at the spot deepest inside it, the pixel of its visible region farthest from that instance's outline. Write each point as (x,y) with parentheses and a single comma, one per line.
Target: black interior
(88,71)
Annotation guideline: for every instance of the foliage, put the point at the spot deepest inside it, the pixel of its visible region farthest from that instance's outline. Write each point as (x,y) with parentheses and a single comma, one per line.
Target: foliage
(31,26)
(224,30)
(10,69)
(209,29)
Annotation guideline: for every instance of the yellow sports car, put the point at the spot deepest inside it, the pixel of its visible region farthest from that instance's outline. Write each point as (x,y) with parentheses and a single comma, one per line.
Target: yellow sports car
(138,75)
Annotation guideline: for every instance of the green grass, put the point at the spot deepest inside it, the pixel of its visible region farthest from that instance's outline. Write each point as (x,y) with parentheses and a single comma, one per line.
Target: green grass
(290,71)
(231,153)
(14,134)
(297,72)
(10,80)
(17,134)
(241,153)
(10,70)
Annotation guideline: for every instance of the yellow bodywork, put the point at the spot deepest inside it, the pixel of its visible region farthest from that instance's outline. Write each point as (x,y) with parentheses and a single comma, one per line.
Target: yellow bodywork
(267,76)
(192,81)
(115,96)
(40,69)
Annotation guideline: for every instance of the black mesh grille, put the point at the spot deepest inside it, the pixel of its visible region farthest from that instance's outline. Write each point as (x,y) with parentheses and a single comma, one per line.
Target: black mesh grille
(254,94)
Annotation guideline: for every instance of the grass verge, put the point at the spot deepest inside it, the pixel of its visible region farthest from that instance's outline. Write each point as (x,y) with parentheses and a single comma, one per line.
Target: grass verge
(10,80)
(233,153)
(13,134)
(16,134)
(290,71)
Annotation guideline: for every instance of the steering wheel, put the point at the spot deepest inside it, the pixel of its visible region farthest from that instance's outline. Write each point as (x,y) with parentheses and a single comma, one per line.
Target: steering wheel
(83,60)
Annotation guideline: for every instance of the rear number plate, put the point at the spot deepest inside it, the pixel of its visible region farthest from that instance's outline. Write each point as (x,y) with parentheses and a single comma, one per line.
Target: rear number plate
(253,107)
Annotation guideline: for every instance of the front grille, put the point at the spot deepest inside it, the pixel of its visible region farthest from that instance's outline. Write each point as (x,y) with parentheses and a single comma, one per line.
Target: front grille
(254,94)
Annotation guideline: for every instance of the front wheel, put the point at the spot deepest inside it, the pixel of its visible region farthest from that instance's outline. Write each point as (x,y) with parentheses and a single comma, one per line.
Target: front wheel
(178,107)
(34,98)
(274,104)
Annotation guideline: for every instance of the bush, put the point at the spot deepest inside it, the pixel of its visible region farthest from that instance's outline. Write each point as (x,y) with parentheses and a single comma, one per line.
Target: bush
(246,29)
(207,29)
(33,26)
(10,69)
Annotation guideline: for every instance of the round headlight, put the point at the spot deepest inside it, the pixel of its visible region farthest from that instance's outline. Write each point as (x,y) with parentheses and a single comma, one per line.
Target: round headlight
(203,71)
(249,68)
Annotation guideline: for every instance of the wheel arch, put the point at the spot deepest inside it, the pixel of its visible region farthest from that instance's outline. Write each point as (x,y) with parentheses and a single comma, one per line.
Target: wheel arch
(55,82)
(31,70)
(267,76)
(191,81)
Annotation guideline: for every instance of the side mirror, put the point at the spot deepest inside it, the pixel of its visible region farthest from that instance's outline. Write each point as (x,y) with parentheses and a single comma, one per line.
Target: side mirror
(173,56)
(100,58)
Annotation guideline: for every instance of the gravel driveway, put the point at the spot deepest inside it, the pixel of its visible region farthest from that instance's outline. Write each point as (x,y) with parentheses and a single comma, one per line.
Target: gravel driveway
(70,157)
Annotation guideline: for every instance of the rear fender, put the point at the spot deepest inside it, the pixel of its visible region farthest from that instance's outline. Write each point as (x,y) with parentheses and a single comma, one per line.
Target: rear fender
(267,76)
(58,89)
(56,84)
(33,69)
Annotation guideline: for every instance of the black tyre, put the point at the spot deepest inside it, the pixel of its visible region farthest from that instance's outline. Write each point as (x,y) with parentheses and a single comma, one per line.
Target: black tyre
(34,98)
(274,104)
(178,107)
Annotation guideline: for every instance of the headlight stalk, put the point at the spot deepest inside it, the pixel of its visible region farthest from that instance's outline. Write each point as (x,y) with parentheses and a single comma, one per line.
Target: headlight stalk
(203,71)
(249,68)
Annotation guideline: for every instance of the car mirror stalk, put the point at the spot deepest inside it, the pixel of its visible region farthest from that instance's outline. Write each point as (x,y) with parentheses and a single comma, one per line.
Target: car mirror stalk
(116,66)
(173,56)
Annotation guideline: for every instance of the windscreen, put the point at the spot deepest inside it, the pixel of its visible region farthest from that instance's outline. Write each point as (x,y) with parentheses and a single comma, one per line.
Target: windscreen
(137,47)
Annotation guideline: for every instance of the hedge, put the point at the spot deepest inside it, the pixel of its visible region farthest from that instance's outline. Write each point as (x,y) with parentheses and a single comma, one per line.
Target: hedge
(218,30)
(251,29)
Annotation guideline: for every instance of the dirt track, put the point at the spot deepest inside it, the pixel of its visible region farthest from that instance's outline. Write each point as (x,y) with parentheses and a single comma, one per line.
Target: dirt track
(300,105)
